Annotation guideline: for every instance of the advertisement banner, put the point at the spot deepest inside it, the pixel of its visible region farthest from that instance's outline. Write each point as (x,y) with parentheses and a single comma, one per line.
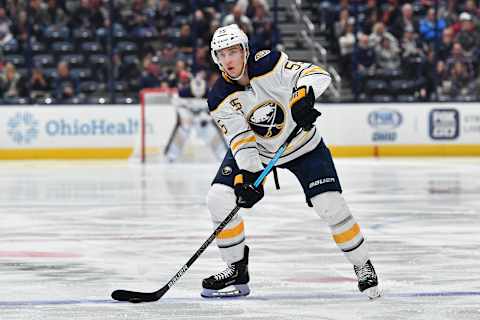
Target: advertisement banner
(109,130)
(349,129)
(409,123)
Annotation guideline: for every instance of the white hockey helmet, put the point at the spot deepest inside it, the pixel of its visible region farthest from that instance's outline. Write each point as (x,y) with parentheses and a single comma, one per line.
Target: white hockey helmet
(228,36)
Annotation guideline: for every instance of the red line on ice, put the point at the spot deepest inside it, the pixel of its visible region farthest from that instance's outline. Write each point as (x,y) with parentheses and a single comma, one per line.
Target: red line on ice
(37,254)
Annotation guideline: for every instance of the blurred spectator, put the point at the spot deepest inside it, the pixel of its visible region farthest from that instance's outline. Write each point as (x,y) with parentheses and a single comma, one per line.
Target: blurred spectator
(55,14)
(372,15)
(445,46)
(428,31)
(13,7)
(341,25)
(185,40)
(238,17)
(441,72)
(346,44)
(472,8)
(406,20)
(38,18)
(265,35)
(89,15)
(210,5)
(168,56)
(150,75)
(183,79)
(203,60)
(202,27)
(5,23)
(457,82)
(430,75)
(462,80)
(180,75)
(11,83)
(363,61)
(39,85)
(126,69)
(379,33)
(387,56)
(214,25)
(253,6)
(66,85)
(457,56)
(391,12)
(20,28)
(451,13)
(468,36)
(139,20)
(412,54)
(163,18)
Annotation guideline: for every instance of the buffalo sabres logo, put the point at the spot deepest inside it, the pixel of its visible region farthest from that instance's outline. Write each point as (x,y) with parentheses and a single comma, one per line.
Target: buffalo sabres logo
(267,119)
(227,170)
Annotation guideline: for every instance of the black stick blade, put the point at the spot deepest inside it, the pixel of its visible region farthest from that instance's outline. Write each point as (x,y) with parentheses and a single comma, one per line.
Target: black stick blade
(135,297)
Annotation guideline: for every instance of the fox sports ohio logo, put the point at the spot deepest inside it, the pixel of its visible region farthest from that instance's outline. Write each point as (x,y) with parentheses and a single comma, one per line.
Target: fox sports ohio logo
(385,119)
(22,128)
(267,119)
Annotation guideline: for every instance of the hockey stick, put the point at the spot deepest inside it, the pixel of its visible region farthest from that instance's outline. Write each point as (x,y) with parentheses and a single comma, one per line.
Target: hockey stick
(136,297)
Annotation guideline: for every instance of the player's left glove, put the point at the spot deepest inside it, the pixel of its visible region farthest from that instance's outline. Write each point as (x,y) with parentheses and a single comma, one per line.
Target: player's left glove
(247,194)
(302,107)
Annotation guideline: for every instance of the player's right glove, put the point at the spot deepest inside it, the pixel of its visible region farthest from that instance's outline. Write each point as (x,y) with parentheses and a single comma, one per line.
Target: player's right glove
(302,107)
(247,194)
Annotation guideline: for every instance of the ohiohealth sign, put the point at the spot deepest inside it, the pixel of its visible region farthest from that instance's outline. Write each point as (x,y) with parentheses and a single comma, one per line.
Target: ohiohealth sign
(69,126)
(113,131)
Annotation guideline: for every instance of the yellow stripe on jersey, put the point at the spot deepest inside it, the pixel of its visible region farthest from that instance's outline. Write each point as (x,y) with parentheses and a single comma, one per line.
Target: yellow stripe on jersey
(231,233)
(243,141)
(314,69)
(297,95)
(347,235)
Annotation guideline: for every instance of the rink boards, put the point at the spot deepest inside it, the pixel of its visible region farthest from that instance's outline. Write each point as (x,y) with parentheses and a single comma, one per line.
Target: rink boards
(351,130)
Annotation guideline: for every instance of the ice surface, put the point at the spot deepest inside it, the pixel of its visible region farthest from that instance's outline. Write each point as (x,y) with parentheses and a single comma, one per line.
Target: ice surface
(72,232)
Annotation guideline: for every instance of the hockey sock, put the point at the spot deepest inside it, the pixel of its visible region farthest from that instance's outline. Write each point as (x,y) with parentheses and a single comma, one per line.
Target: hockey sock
(346,233)
(231,241)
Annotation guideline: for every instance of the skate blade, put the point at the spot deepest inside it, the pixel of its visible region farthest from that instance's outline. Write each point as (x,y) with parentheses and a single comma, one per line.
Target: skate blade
(239,290)
(373,292)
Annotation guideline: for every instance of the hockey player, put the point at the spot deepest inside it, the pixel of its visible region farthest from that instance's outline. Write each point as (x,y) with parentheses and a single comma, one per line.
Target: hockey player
(257,102)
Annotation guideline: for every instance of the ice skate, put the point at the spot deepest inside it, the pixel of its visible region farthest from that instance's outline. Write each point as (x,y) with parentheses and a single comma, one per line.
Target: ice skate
(367,280)
(232,282)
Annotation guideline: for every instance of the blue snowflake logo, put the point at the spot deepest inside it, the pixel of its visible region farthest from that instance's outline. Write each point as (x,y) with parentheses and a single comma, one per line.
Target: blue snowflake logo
(23,128)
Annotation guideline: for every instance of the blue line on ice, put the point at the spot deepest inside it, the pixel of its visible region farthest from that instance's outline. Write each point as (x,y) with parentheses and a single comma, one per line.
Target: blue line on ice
(258,297)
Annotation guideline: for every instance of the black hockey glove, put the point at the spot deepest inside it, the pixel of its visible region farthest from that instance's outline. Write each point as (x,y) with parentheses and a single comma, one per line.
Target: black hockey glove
(301,104)
(247,194)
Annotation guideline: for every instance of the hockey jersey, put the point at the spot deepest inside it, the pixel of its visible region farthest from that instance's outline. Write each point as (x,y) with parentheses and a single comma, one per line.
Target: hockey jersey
(256,119)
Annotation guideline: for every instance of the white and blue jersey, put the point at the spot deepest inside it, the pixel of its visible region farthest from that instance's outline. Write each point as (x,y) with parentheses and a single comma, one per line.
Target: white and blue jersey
(256,120)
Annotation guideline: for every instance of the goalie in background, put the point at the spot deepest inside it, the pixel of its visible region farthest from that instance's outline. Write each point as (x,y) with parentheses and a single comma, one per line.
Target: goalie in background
(257,102)
(193,119)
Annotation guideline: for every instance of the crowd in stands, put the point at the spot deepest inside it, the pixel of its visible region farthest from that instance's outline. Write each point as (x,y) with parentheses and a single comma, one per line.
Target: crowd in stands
(80,51)
(397,50)
(75,47)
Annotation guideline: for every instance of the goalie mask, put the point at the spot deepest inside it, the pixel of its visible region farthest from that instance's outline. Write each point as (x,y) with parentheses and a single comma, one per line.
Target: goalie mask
(226,37)
(198,86)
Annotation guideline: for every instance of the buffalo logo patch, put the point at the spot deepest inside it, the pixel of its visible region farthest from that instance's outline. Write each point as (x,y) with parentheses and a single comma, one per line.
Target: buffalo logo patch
(267,119)
(227,170)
